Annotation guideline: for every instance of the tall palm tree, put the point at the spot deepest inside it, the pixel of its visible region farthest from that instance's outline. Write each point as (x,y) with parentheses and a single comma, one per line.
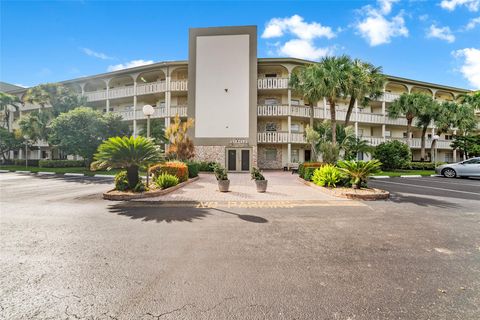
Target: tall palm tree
(426,114)
(408,104)
(35,125)
(127,153)
(7,103)
(365,82)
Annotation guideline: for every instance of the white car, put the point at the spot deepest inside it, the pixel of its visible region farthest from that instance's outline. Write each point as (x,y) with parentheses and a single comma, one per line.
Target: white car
(467,168)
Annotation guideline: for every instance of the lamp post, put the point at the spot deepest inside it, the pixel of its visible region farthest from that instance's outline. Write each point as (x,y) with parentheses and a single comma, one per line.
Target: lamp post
(435,137)
(148,111)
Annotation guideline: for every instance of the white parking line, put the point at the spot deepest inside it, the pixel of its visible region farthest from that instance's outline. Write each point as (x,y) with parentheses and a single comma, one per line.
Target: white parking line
(418,186)
(444,182)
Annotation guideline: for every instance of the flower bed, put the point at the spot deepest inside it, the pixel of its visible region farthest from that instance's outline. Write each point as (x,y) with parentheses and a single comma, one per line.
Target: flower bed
(367,194)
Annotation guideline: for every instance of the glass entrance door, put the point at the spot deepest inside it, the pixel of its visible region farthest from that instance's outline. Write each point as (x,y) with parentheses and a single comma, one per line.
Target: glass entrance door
(238,159)
(232,160)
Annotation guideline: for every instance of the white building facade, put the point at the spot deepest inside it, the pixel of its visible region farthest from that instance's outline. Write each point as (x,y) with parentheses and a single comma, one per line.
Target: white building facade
(245,113)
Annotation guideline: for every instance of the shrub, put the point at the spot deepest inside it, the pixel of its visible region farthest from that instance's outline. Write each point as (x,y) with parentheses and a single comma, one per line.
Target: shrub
(175,168)
(256,174)
(140,187)
(121,181)
(193,168)
(392,154)
(302,168)
(61,163)
(21,162)
(308,173)
(422,165)
(328,175)
(166,180)
(206,166)
(359,171)
(220,172)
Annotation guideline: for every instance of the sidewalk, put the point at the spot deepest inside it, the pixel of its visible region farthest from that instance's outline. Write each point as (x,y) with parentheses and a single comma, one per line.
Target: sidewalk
(282,186)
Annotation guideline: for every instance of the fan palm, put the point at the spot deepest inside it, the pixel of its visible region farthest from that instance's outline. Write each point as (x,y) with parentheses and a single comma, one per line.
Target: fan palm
(359,171)
(427,107)
(7,103)
(127,153)
(35,125)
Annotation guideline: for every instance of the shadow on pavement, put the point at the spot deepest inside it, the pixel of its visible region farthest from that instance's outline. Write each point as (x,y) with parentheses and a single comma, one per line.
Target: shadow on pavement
(159,214)
(245,217)
(76,179)
(421,201)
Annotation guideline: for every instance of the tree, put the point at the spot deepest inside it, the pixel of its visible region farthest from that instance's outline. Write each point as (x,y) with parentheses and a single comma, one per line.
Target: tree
(35,125)
(9,141)
(393,154)
(469,145)
(427,107)
(407,104)
(157,131)
(355,146)
(328,79)
(8,103)
(127,153)
(59,97)
(365,83)
(359,171)
(181,146)
(114,125)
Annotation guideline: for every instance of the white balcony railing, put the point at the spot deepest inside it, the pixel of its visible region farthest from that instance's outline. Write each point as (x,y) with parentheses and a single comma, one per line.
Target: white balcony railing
(272,83)
(283,110)
(389,97)
(151,87)
(159,113)
(414,142)
(178,85)
(96,95)
(280,137)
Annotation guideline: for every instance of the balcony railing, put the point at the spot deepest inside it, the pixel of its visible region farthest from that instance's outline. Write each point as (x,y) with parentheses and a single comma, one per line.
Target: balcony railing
(414,142)
(283,110)
(280,137)
(272,83)
(389,97)
(159,113)
(142,88)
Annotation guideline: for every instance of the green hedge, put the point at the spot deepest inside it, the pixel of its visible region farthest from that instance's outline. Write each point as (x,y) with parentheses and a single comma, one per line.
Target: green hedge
(21,162)
(193,168)
(308,173)
(61,163)
(421,165)
(206,166)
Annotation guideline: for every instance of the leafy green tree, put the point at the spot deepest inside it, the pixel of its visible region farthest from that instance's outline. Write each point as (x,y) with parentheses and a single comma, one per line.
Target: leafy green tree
(157,131)
(9,141)
(365,82)
(469,145)
(126,153)
(409,105)
(8,103)
(114,125)
(393,154)
(59,97)
(35,125)
(427,107)
(355,146)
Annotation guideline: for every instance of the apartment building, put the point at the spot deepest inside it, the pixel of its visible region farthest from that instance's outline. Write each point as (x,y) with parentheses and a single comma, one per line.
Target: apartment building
(245,113)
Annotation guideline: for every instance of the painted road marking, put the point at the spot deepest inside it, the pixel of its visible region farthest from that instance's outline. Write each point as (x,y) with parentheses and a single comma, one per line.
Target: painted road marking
(45,172)
(445,182)
(274,204)
(74,174)
(415,185)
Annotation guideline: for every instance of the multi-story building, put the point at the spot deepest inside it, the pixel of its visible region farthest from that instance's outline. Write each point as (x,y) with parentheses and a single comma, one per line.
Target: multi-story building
(245,113)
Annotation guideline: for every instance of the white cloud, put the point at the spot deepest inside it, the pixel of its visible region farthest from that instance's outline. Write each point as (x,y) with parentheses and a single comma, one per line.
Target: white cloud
(277,27)
(376,28)
(443,33)
(130,64)
(99,55)
(423,17)
(303,49)
(471,65)
(472,23)
(450,5)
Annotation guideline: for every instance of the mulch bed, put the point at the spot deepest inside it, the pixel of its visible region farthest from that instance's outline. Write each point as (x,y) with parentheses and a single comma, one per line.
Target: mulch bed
(116,195)
(368,194)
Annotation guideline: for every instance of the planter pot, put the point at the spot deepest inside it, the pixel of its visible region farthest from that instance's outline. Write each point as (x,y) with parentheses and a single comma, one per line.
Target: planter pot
(261,185)
(223,185)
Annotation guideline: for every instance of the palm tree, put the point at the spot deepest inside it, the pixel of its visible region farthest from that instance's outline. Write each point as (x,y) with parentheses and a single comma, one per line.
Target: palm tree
(359,171)
(407,104)
(127,153)
(365,83)
(7,102)
(426,113)
(59,97)
(35,125)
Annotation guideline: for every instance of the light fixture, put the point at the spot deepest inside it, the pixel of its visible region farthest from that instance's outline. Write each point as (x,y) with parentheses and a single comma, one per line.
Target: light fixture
(148,110)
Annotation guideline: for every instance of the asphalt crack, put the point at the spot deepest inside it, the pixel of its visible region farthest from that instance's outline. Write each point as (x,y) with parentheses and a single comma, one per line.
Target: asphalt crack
(170,312)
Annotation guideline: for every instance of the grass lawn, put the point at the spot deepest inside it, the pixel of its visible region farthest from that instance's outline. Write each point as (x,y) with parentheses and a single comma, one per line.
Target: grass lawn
(59,170)
(398,173)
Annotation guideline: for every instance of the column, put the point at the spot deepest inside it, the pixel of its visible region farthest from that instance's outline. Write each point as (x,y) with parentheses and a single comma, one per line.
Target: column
(39,153)
(324,108)
(135,107)
(289,121)
(455,151)
(107,104)
(167,98)
(356,119)
(384,112)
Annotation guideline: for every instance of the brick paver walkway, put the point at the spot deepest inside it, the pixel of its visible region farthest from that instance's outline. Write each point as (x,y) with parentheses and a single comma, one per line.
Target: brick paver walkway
(281,186)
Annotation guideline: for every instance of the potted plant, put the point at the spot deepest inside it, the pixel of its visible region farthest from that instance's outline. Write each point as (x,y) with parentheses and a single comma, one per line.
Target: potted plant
(222,178)
(259,180)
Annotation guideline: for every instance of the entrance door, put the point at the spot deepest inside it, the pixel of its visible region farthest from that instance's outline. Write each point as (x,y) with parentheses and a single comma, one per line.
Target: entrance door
(307,155)
(232,160)
(238,159)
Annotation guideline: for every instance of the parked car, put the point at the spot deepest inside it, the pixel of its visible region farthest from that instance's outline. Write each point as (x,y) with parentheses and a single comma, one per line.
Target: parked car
(467,168)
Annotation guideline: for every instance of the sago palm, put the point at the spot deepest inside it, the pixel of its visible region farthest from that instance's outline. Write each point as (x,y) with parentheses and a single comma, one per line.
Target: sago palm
(127,153)
(359,171)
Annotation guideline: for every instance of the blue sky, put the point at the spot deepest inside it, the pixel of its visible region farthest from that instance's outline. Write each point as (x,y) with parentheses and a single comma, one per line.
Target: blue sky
(47,41)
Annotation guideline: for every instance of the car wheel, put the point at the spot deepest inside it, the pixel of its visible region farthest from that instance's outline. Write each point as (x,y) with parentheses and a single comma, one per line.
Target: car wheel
(449,173)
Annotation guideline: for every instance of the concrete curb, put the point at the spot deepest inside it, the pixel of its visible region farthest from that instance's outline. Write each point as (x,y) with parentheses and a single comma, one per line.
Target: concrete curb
(104,176)
(74,174)
(4,171)
(411,176)
(22,171)
(380,177)
(46,173)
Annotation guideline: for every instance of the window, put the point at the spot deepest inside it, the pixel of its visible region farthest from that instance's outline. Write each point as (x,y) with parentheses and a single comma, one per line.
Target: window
(429,136)
(271,101)
(295,127)
(271,154)
(295,102)
(388,133)
(405,135)
(270,75)
(360,132)
(44,154)
(449,137)
(472,161)
(270,127)
(295,156)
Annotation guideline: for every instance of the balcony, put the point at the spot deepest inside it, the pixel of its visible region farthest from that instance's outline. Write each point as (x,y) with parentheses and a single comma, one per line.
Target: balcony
(414,142)
(142,88)
(272,83)
(283,110)
(280,137)
(159,113)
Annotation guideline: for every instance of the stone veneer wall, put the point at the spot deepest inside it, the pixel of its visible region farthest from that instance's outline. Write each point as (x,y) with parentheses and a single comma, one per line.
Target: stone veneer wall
(263,163)
(210,153)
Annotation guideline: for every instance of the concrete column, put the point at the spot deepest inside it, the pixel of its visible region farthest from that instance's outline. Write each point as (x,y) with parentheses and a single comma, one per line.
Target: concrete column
(455,151)
(135,108)
(356,119)
(107,104)
(39,154)
(20,152)
(289,152)
(167,99)
(324,108)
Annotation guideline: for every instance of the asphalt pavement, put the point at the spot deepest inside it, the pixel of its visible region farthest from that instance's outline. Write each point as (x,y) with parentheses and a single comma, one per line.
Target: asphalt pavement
(67,254)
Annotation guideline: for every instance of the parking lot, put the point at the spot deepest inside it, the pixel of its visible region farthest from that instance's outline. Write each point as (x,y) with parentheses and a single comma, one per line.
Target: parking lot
(68,254)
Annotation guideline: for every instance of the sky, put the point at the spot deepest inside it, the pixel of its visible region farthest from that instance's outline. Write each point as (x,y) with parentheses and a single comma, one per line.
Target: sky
(428,40)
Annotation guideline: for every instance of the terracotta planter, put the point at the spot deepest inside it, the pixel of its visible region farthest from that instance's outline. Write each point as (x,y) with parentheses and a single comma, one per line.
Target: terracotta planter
(261,185)
(223,185)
